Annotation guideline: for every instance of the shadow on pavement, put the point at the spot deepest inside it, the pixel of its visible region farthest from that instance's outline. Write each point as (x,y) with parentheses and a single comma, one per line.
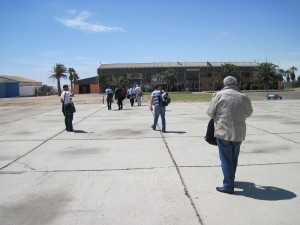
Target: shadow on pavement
(175,132)
(82,132)
(267,193)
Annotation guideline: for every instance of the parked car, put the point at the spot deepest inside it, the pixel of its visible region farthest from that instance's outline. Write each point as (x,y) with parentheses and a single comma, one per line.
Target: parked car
(273,97)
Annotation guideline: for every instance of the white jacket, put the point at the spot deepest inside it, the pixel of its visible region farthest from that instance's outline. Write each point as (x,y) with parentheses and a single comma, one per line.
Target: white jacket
(229,108)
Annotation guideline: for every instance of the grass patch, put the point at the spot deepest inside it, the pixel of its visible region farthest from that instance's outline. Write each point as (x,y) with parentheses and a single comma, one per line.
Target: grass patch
(185,96)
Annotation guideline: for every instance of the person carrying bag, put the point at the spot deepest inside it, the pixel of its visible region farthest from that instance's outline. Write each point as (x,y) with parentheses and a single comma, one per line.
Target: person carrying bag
(68,107)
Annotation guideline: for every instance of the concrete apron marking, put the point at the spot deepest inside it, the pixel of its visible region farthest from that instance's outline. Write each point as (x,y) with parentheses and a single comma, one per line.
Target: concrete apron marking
(186,192)
(276,134)
(45,141)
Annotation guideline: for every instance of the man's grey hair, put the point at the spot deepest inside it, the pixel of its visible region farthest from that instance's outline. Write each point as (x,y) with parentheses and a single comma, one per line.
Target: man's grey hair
(230,80)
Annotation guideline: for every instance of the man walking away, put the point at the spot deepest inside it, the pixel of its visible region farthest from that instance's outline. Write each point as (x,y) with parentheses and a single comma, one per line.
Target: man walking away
(109,97)
(119,95)
(131,94)
(229,108)
(159,110)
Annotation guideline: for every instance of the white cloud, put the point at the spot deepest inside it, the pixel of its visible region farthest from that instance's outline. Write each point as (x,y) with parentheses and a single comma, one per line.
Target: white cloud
(79,22)
(71,11)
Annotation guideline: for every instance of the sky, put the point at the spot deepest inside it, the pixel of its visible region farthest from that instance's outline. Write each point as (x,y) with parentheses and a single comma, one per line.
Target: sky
(81,34)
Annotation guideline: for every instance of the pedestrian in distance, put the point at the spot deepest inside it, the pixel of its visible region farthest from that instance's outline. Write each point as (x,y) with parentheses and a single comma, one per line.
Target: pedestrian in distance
(229,108)
(67,107)
(109,97)
(119,96)
(131,94)
(138,94)
(159,109)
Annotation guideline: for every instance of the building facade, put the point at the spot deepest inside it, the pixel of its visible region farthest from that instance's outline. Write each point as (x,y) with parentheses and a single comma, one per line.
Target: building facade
(192,76)
(16,86)
(86,86)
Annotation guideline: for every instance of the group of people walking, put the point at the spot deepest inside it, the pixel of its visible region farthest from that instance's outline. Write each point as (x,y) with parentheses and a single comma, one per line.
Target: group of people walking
(134,93)
(229,109)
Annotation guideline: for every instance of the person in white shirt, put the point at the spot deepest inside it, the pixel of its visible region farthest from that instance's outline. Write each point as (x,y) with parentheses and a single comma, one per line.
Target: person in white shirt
(109,97)
(131,94)
(139,94)
(66,100)
(159,110)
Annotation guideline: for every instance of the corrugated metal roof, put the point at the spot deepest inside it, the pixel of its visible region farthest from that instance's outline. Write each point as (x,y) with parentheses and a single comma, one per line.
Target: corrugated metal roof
(173,64)
(20,79)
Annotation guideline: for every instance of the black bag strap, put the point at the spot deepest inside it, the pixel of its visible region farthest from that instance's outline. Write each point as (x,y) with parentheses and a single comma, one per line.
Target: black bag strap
(65,97)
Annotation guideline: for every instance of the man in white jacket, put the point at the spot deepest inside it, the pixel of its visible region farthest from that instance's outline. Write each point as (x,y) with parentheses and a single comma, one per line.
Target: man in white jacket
(229,108)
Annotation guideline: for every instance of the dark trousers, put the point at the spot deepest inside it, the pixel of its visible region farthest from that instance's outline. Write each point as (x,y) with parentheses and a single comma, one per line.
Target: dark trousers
(131,101)
(120,103)
(109,101)
(69,120)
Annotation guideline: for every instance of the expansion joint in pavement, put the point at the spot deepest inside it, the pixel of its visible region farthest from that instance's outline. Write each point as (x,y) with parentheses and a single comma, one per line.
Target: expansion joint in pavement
(42,144)
(183,183)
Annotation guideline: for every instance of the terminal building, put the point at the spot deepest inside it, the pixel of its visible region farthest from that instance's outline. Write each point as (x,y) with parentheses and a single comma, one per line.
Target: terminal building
(192,76)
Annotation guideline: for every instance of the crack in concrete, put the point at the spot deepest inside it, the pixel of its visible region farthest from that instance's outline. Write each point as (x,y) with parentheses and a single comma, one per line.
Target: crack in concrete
(186,192)
(26,166)
(133,169)
(87,170)
(276,134)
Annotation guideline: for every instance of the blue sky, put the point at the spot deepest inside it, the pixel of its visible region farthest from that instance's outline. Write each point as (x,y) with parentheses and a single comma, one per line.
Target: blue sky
(36,34)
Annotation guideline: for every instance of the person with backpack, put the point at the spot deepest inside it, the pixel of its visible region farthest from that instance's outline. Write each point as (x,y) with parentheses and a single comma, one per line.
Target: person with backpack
(159,103)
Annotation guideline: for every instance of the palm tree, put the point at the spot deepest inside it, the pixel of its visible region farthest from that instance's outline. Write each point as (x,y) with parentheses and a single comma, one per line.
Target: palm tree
(58,71)
(73,76)
(288,78)
(292,70)
(266,73)
(282,72)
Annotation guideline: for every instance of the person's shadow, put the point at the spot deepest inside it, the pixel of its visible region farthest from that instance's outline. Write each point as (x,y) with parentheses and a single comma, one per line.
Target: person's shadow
(81,132)
(267,193)
(175,132)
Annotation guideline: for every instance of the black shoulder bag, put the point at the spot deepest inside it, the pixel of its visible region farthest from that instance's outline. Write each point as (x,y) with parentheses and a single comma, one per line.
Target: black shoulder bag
(210,137)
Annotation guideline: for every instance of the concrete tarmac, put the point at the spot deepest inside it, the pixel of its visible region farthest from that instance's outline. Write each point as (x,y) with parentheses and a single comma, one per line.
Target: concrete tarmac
(115,170)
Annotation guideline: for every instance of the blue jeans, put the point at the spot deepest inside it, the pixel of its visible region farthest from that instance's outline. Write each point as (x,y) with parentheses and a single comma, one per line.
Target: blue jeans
(229,153)
(159,110)
(69,120)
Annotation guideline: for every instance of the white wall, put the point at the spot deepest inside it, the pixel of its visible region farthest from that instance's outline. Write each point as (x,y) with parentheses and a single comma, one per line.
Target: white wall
(27,91)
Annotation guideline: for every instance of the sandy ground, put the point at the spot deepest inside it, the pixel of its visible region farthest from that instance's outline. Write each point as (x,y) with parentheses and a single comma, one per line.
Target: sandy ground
(100,98)
(51,100)
(78,99)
